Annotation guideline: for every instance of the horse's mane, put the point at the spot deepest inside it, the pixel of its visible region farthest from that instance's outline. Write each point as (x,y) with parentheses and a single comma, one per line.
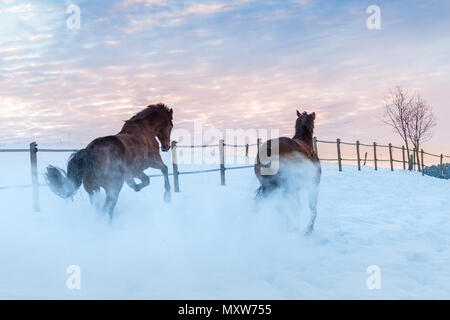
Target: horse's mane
(150,111)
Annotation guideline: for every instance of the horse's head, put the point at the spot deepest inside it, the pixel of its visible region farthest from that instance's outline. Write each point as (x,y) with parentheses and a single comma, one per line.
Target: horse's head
(165,129)
(304,122)
(155,119)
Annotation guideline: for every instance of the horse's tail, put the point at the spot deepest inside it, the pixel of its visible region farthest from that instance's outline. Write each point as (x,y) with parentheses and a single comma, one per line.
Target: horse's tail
(65,184)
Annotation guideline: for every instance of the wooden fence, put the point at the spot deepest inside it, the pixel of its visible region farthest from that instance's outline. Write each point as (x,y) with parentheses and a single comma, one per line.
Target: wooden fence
(416,160)
(176,173)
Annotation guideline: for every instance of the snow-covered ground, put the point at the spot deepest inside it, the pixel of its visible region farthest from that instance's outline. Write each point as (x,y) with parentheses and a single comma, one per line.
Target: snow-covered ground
(213,241)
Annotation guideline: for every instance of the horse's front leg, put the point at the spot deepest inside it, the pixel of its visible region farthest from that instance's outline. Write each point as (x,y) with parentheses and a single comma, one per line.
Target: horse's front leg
(159,164)
(165,173)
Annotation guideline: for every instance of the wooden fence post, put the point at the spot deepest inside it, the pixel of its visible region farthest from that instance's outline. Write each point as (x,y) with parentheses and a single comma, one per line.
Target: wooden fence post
(258,144)
(365,159)
(403,157)
(410,162)
(442,167)
(418,160)
(358,157)
(176,183)
(421,160)
(34,176)
(222,162)
(315,146)
(414,159)
(390,157)
(246,150)
(375,155)
(338,143)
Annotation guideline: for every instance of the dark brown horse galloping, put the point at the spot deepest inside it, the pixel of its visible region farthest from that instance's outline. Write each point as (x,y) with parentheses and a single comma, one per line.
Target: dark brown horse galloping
(110,161)
(297,164)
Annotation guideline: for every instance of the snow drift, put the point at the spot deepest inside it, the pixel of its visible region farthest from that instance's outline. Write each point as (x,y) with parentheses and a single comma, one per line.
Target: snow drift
(214,241)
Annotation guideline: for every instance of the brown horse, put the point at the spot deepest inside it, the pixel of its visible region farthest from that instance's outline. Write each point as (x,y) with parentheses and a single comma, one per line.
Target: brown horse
(110,161)
(291,156)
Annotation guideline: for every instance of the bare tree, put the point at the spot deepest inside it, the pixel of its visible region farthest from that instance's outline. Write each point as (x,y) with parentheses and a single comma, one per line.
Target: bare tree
(397,113)
(420,123)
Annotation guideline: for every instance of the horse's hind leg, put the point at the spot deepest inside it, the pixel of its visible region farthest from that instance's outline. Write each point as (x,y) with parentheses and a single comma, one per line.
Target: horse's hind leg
(260,193)
(92,189)
(112,195)
(132,184)
(94,199)
(268,184)
(145,181)
(312,197)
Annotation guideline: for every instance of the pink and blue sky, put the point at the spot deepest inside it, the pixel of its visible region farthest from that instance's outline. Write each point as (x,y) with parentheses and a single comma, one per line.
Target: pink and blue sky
(232,64)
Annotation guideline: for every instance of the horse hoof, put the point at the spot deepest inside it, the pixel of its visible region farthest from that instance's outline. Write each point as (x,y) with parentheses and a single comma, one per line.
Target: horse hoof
(167,197)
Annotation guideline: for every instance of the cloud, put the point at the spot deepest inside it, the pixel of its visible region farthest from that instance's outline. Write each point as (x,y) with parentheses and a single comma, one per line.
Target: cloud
(305,3)
(10,50)
(176,17)
(212,8)
(240,73)
(39,37)
(176,51)
(147,3)
(204,8)
(21,8)
(111,42)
